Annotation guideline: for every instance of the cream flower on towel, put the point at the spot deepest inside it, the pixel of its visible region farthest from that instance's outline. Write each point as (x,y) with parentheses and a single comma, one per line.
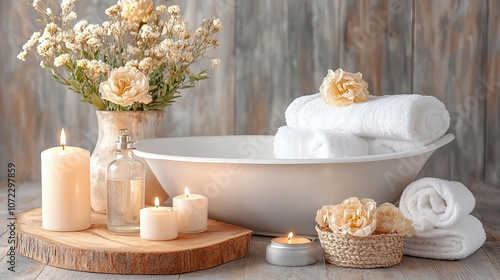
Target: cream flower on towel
(354,217)
(341,88)
(391,220)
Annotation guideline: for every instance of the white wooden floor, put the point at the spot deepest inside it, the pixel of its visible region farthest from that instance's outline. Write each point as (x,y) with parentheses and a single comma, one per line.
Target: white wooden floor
(483,264)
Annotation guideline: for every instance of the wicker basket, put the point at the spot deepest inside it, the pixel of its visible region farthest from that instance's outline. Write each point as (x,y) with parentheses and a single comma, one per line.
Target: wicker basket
(381,250)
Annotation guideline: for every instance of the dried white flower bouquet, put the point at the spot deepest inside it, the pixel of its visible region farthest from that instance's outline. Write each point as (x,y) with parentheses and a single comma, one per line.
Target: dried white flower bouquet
(137,60)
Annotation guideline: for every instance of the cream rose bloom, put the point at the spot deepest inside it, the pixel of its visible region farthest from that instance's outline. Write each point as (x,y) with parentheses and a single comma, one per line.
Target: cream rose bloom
(137,10)
(125,86)
(391,220)
(323,214)
(355,217)
(341,88)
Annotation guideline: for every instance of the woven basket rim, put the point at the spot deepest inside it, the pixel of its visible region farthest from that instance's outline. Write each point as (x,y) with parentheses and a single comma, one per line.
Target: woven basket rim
(383,235)
(379,250)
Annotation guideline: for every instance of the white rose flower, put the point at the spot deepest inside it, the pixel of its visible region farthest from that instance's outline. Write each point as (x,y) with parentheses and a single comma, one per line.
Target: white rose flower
(391,220)
(125,86)
(354,217)
(137,10)
(341,88)
(323,214)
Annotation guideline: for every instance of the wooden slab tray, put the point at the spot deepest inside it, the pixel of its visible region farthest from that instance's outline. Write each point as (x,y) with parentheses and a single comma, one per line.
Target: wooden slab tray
(99,250)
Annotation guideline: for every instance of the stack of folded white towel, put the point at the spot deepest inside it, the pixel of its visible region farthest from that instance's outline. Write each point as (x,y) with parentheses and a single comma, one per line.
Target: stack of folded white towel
(381,124)
(440,211)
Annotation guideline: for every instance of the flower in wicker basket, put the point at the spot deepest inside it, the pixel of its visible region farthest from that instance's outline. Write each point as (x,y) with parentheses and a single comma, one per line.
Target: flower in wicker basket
(357,233)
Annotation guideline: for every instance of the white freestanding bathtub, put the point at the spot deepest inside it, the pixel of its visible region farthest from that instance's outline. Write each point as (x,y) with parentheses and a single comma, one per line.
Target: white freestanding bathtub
(248,187)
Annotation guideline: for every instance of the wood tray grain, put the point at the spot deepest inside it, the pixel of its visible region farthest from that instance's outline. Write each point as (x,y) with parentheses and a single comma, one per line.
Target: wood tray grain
(99,250)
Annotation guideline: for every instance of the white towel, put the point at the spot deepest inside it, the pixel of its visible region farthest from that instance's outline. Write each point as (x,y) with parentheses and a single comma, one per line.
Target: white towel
(409,117)
(299,143)
(379,146)
(455,242)
(433,202)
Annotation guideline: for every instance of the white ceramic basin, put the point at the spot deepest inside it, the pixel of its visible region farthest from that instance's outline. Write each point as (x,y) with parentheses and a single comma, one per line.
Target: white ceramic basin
(248,187)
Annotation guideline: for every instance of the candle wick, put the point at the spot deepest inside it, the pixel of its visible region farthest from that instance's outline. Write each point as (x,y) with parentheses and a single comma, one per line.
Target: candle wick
(63,146)
(156,206)
(187,195)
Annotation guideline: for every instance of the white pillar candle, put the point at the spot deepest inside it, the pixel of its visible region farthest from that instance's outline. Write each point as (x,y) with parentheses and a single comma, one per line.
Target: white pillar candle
(158,223)
(192,212)
(65,188)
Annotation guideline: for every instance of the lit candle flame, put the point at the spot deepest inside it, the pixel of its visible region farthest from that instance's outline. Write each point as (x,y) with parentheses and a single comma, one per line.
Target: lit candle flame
(157,202)
(186,192)
(290,235)
(63,138)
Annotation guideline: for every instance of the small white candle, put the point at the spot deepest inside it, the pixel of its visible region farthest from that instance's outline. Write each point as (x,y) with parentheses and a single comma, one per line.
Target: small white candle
(290,251)
(192,212)
(65,188)
(158,223)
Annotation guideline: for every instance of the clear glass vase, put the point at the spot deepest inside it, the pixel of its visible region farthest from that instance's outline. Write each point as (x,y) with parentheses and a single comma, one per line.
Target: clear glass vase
(141,125)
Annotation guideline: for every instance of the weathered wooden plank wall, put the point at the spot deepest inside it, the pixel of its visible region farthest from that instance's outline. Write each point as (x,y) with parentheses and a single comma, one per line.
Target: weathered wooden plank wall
(492,96)
(376,41)
(208,109)
(276,50)
(449,57)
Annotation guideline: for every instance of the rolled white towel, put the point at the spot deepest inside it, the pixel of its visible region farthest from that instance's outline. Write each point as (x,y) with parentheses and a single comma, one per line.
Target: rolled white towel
(379,146)
(455,242)
(409,117)
(299,143)
(433,202)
